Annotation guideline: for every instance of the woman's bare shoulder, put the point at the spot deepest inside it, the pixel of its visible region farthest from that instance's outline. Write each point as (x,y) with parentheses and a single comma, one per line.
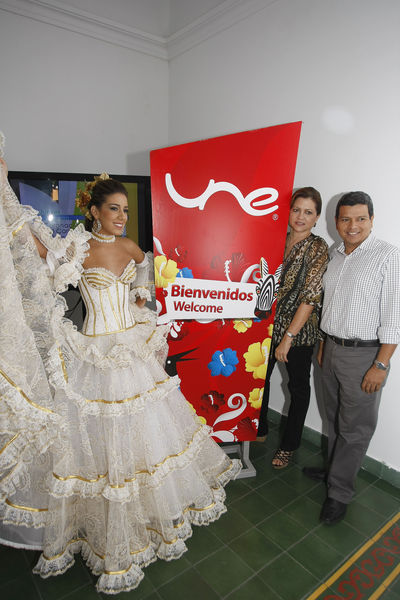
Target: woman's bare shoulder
(133,249)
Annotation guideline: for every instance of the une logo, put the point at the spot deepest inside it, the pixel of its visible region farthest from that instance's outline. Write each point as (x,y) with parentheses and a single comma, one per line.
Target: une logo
(256,208)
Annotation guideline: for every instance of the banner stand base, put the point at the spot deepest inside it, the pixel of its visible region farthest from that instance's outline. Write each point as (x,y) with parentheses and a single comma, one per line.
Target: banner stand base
(243,449)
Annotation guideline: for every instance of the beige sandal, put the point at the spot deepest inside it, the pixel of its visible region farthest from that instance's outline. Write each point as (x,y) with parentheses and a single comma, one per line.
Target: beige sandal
(283,456)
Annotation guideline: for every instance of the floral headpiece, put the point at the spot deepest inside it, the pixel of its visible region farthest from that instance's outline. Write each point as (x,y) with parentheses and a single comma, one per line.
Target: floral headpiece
(84,196)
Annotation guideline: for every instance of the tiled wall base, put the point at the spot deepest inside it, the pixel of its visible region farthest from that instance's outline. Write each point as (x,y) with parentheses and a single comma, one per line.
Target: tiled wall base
(370,464)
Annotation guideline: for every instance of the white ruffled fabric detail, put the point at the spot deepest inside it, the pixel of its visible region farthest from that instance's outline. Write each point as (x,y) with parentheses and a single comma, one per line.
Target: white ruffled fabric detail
(130,490)
(121,348)
(61,246)
(143,285)
(73,248)
(115,409)
(76,249)
(62,360)
(128,577)
(107,583)
(124,582)
(11,515)
(139,292)
(26,214)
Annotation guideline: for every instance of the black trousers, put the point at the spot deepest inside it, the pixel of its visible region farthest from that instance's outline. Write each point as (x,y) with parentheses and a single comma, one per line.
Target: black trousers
(298,368)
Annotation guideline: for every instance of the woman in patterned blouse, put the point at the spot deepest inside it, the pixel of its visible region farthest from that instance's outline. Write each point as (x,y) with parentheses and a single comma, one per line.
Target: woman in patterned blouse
(297,317)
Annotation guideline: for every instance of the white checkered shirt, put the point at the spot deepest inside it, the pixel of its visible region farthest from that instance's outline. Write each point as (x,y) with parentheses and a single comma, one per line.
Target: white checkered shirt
(362,293)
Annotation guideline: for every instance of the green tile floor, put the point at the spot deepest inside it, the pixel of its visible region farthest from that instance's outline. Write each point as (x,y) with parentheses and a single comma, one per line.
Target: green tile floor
(269,546)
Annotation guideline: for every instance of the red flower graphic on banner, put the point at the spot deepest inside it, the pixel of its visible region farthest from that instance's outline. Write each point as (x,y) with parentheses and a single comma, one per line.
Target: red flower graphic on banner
(230,269)
(245,429)
(211,402)
(179,255)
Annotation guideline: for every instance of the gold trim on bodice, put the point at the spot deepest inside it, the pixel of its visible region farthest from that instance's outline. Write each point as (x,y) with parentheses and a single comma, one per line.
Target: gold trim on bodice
(106,297)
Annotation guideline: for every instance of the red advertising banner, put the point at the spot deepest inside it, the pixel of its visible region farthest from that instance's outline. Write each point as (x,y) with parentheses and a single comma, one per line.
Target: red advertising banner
(220,213)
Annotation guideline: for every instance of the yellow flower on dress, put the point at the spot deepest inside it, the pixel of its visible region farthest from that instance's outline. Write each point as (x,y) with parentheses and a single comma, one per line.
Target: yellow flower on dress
(242,325)
(165,271)
(255,397)
(202,419)
(257,358)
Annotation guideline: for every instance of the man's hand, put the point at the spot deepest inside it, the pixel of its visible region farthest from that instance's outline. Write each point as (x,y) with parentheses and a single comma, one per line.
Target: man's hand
(373,380)
(283,348)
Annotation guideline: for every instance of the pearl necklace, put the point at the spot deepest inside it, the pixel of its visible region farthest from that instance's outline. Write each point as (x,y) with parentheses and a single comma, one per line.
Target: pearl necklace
(104,239)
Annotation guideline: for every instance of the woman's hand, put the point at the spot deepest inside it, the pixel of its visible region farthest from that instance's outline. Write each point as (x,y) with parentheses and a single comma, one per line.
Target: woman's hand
(320,353)
(283,348)
(140,302)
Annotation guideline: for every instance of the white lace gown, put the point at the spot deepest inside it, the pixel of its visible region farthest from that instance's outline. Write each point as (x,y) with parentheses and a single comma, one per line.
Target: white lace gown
(100,451)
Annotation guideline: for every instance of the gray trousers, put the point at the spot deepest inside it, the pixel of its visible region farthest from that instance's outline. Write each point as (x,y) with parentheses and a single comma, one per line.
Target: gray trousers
(352,414)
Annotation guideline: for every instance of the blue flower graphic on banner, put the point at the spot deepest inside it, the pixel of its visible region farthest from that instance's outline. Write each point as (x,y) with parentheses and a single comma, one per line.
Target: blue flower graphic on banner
(185,272)
(223,363)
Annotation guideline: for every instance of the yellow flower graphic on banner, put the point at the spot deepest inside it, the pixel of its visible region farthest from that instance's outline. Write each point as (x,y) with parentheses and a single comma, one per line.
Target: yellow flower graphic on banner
(257,358)
(165,271)
(255,397)
(202,419)
(270,329)
(242,325)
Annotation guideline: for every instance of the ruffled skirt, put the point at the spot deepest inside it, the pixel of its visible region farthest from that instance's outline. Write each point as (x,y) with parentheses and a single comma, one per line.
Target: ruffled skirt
(132,468)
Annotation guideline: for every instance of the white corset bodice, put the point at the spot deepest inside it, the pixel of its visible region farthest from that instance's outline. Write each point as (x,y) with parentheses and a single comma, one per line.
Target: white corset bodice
(106,298)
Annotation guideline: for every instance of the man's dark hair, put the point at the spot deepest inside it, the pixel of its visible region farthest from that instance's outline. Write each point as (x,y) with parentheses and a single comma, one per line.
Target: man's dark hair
(353,198)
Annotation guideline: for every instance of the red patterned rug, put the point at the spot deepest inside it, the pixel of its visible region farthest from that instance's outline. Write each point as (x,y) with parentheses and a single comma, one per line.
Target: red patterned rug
(368,573)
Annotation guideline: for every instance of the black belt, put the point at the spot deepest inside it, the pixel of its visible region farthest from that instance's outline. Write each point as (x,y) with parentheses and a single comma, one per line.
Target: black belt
(355,343)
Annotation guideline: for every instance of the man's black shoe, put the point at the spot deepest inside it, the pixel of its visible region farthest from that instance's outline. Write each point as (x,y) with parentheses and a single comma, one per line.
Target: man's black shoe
(332,511)
(316,473)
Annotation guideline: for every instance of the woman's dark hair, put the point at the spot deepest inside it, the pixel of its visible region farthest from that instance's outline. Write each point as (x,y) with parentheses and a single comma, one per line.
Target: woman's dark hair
(100,191)
(308,192)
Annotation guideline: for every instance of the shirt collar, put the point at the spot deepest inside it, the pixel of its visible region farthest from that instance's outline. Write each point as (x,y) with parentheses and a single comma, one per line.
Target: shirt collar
(364,246)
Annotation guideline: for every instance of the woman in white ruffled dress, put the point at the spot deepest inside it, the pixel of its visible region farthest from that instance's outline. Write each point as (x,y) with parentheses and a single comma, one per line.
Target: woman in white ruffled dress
(99,451)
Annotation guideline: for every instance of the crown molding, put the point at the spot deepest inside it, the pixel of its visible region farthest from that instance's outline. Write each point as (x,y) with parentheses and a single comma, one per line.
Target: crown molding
(79,21)
(222,17)
(54,12)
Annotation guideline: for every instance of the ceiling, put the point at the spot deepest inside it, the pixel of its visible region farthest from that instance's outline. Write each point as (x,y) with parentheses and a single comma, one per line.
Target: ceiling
(161,28)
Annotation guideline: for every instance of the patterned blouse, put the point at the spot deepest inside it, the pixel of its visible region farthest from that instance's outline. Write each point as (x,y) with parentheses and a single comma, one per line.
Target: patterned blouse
(301,282)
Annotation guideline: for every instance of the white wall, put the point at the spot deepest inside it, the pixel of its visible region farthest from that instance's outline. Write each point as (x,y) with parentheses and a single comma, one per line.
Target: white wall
(335,66)
(76,104)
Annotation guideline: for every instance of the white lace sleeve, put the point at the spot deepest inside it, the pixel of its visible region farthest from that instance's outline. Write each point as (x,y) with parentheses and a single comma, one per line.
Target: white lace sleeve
(30,315)
(66,261)
(143,285)
(66,254)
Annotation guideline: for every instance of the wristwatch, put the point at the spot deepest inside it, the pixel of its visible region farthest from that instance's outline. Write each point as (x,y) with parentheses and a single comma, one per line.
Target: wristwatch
(291,335)
(381,365)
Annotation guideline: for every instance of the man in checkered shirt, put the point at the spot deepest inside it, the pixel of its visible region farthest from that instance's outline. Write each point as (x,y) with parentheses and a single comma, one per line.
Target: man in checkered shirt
(361,322)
